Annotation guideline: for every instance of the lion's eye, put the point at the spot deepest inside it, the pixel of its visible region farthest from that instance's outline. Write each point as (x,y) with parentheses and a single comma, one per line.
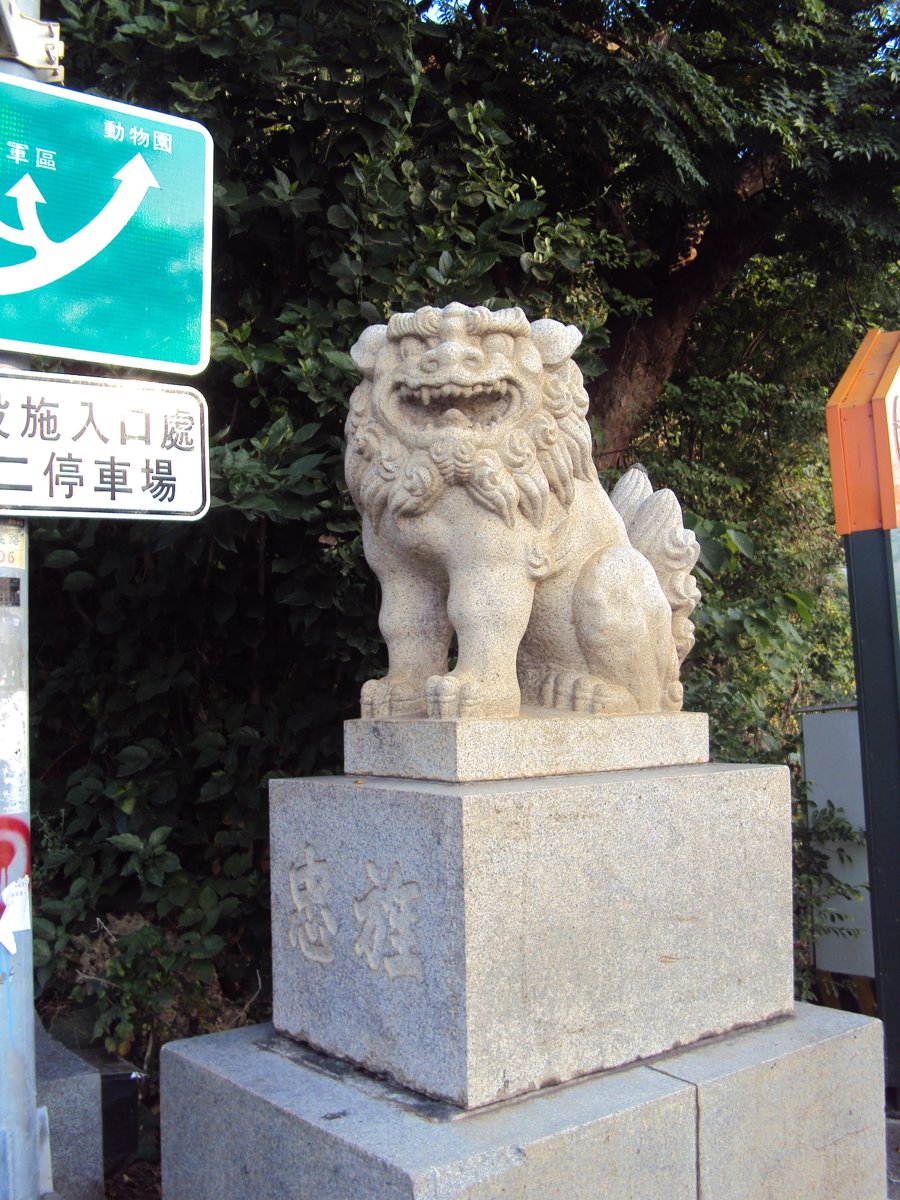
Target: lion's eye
(499,343)
(410,346)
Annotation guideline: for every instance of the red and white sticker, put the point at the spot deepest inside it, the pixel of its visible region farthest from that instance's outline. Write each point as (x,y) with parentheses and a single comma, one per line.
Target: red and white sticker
(15,889)
(16,915)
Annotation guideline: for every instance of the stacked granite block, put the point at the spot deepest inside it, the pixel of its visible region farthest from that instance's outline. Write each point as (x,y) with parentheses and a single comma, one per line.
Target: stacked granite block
(460,960)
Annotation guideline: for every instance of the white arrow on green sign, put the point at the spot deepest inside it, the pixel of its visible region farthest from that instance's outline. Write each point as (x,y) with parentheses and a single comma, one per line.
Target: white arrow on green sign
(105,215)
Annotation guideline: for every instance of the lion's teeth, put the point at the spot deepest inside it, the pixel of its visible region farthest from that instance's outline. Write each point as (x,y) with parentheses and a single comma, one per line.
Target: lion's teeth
(426,396)
(454,417)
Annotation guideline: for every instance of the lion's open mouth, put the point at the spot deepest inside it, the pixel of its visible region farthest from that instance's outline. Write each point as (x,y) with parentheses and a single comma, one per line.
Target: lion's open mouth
(481,405)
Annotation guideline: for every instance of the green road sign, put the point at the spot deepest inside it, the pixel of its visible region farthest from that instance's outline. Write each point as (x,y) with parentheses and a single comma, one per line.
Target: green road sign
(104,230)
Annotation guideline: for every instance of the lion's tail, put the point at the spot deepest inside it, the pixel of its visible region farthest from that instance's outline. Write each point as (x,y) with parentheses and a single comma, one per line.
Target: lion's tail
(655,527)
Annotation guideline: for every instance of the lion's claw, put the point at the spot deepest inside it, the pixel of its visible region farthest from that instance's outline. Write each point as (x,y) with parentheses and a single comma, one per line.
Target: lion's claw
(382,698)
(570,691)
(462,695)
(448,696)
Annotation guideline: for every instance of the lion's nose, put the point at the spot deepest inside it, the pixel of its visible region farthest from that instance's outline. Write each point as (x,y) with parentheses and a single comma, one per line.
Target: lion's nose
(451,355)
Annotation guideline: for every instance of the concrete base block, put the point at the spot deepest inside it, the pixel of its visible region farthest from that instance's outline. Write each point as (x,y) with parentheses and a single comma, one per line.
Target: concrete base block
(69,1088)
(476,941)
(893,1158)
(246,1115)
(822,1074)
(538,743)
(784,1111)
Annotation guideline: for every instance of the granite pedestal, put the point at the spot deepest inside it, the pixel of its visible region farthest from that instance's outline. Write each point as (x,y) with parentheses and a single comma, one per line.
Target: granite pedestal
(538,743)
(467,966)
(790,1110)
(476,941)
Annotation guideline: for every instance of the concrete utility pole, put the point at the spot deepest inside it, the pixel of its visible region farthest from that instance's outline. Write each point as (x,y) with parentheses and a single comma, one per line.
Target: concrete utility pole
(28,47)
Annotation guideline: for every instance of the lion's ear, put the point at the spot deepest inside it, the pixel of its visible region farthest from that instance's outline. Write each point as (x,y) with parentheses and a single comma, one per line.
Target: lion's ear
(365,350)
(555,342)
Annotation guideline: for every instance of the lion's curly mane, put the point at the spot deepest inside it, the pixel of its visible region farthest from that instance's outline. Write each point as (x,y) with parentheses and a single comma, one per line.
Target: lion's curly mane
(510,468)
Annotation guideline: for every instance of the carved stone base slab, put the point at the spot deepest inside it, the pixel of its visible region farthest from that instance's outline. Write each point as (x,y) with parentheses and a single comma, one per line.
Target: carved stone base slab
(476,941)
(536,744)
(784,1111)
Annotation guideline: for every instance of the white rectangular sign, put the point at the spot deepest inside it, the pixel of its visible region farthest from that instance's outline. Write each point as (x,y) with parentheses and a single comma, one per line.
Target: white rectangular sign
(80,447)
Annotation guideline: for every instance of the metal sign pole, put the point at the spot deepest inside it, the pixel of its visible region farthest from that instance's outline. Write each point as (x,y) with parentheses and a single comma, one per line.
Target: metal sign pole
(863,420)
(873,612)
(18,1105)
(35,45)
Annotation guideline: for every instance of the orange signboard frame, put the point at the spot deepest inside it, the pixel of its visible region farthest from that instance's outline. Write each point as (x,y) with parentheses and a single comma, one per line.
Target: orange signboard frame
(862,422)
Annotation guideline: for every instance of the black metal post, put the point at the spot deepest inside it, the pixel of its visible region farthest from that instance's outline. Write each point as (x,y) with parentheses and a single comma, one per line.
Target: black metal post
(873,587)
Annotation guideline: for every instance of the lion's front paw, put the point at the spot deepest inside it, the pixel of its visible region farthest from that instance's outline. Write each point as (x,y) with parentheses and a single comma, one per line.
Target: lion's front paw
(449,696)
(584,693)
(382,698)
(463,695)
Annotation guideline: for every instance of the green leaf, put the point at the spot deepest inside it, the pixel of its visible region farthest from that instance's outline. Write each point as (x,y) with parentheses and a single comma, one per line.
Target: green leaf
(78,581)
(741,541)
(713,554)
(338,216)
(339,358)
(126,841)
(60,559)
(132,759)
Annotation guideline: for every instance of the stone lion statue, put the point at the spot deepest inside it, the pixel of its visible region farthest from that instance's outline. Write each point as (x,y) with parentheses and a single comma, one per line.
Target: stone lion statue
(469,457)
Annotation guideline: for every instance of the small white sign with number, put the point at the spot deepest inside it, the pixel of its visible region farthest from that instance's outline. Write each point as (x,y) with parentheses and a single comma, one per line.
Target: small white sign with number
(80,447)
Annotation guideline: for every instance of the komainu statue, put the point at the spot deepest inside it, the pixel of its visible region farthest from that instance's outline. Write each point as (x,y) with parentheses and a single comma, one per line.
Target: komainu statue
(469,457)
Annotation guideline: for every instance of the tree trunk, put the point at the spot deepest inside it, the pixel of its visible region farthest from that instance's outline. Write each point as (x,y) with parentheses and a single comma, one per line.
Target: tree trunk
(643,351)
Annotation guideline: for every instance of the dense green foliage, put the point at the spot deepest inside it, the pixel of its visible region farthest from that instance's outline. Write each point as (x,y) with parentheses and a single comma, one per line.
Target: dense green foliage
(675,177)
(738,435)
